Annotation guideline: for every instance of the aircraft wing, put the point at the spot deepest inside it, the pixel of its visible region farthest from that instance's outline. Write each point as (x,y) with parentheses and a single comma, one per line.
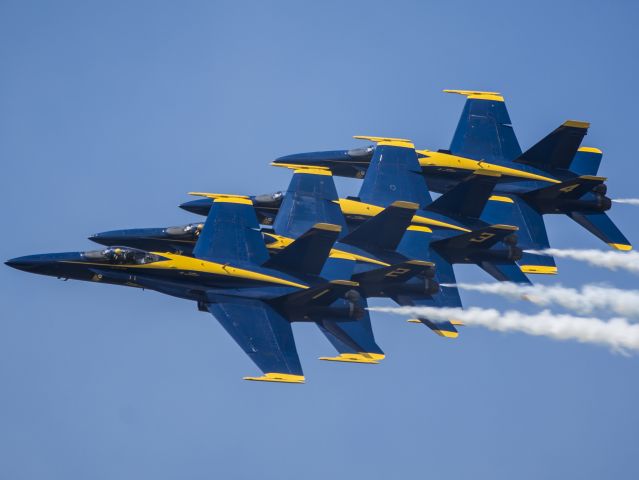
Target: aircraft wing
(263,334)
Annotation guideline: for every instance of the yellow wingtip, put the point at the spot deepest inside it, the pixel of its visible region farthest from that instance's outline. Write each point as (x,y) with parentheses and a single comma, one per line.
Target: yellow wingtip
(362,357)
(278,377)
(446,333)
(621,246)
(538,269)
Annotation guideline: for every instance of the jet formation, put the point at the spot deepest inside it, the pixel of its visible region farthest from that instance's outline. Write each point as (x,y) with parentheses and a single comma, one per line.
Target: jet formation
(257,263)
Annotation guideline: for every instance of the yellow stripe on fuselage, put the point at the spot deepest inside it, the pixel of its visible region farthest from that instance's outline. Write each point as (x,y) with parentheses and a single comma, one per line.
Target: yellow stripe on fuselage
(353,207)
(283,242)
(190,264)
(444,160)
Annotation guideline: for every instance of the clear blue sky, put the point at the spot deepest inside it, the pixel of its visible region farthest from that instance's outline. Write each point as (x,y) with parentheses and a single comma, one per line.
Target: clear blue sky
(111,111)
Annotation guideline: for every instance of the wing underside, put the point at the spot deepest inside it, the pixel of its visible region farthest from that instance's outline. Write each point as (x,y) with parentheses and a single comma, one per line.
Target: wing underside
(264,335)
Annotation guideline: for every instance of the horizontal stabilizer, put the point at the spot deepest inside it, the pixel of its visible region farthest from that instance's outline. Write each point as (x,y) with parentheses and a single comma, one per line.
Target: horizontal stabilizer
(600,225)
(484,238)
(513,210)
(385,230)
(570,189)
(354,340)
(532,263)
(444,328)
(556,150)
(398,273)
(468,198)
(505,272)
(309,252)
(320,295)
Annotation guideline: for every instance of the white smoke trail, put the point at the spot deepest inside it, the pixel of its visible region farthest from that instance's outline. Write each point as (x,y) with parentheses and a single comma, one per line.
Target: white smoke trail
(588,299)
(628,261)
(627,201)
(616,333)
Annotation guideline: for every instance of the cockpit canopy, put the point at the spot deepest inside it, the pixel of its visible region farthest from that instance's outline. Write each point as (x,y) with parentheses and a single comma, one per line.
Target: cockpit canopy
(268,199)
(122,256)
(192,230)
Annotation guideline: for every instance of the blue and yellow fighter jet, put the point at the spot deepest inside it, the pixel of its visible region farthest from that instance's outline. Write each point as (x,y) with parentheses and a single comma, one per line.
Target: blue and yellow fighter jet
(554,176)
(254,296)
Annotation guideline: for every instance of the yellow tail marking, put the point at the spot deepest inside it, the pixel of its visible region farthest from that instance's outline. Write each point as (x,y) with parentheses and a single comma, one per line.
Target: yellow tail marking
(305,169)
(329,227)
(278,377)
(389,141)
(589,150)
(621,246)
(419,228)
(499,198)
(576,124)
(478,95)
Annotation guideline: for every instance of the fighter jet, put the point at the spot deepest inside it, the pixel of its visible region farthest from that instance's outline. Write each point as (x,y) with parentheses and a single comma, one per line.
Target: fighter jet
(555,176)
(231,275)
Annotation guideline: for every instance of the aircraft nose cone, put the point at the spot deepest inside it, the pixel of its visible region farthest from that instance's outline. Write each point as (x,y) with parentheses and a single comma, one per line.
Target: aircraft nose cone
(22,263)
(100,238)
(114,237)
